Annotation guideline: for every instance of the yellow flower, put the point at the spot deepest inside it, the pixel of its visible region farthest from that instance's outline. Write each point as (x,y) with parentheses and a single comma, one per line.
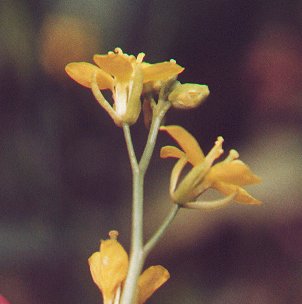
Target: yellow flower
(109,268)
(124,75)
(227,176)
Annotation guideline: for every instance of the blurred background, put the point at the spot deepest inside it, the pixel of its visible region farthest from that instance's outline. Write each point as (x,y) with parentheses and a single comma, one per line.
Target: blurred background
(64,174)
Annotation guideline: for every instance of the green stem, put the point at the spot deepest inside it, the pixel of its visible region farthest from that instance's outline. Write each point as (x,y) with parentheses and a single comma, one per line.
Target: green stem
(130,148)
(159,113)
(137,256)
(161,230)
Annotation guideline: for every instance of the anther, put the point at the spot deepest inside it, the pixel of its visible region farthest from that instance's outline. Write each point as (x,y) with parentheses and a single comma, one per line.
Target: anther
(118,51)
(113,234)
(140,57)
(216,151)
(233,154)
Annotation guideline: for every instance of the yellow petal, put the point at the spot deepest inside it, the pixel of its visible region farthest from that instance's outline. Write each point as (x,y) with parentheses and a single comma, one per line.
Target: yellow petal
(171,151)
(82,72)
(118,65)
(103,102)
(189,188)
(242,195)
(210,205)
(134,102)
(161,71)
(150,280)
(235,172)
(187,142)
(109,267)
(176,173)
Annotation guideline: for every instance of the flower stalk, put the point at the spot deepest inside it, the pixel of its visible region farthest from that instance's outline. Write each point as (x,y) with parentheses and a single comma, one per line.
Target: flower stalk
(130,79)
(138,252)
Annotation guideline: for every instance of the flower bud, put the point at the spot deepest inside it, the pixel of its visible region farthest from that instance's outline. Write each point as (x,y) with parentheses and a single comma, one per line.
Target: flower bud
(109,266)
(188,95)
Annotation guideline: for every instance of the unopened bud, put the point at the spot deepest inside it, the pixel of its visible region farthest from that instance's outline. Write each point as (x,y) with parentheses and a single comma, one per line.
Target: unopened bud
(188,95)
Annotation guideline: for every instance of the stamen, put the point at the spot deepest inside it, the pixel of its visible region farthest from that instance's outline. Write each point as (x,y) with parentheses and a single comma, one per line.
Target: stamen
(140,57)
(113,234)
(118,51)
(121,99)
(216,151)
(233,154)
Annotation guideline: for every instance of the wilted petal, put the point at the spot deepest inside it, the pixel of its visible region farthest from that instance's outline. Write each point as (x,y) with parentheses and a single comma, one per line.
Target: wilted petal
(235,172)
(187,142)
(109,267)
(161,71)
(242,196)
(150,280)
(82,73)
(118,65)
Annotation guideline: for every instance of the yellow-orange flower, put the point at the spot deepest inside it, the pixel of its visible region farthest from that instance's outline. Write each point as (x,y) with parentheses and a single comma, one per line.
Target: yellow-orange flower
(227,176)
(109,267)
(124,75)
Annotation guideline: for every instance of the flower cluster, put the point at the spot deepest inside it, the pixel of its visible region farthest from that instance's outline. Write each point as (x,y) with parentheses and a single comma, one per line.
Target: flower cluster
(109,267)
(130,80)
(124,75)
(227,176)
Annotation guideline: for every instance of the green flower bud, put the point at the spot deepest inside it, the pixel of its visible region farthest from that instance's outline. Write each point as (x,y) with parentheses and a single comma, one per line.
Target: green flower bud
(188,95)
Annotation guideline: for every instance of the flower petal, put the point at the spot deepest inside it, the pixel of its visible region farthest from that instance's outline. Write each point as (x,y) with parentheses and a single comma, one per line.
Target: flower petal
(189,188)
(82,72)
(171,151)
(187,142)
(109,267)
(242,196)
(235,172)
(150,280)
(103,102)
(176,171)
(118,65)
(134,102)
(210,205)
(161,71)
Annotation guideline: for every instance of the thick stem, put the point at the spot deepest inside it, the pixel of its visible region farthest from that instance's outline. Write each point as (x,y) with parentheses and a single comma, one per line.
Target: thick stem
(136,261)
